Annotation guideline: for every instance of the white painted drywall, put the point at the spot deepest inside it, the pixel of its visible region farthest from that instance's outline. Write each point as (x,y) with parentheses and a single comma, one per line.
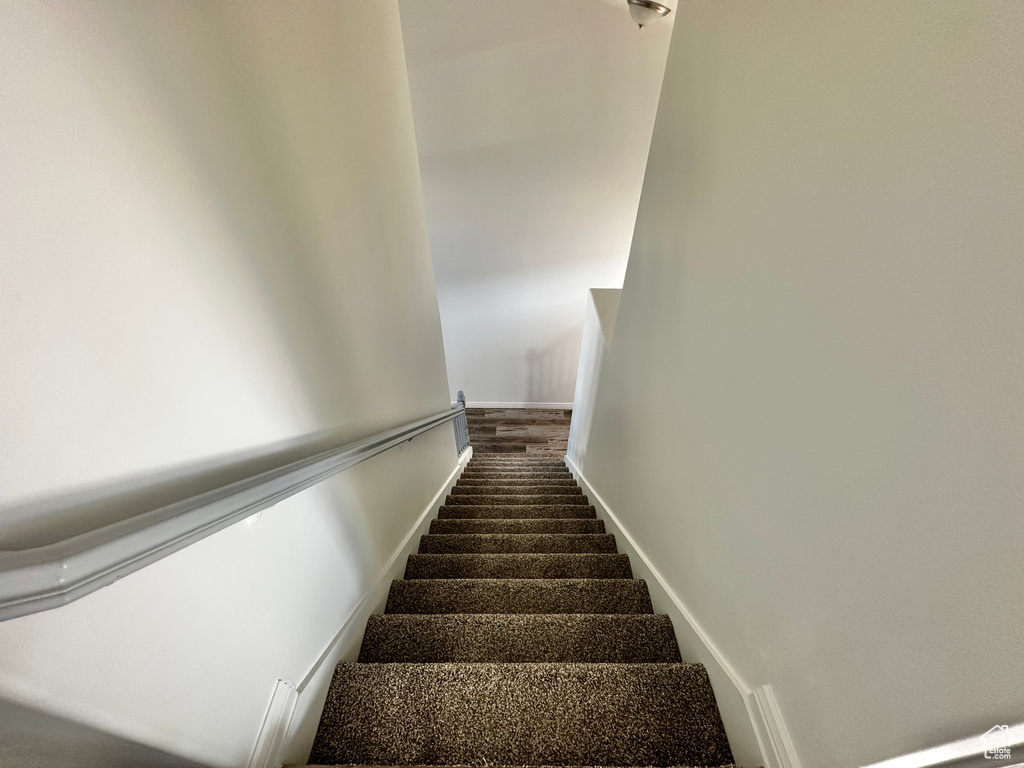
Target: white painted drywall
(533,120)
(810,416)
(212,240)
(598,329)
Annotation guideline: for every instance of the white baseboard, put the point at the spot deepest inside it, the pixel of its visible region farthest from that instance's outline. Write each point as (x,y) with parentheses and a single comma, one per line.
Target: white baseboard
(274,730)
(551,406)
(739,712)
(285,738)
(772,735)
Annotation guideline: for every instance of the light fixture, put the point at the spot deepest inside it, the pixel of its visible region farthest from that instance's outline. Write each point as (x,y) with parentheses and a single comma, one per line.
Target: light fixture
(646,11)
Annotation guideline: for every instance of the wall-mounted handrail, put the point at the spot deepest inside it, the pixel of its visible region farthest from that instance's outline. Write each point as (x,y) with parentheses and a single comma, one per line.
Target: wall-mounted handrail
(58,573)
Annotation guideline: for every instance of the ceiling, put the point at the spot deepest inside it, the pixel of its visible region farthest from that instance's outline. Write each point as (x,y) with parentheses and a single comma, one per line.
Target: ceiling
(533,120)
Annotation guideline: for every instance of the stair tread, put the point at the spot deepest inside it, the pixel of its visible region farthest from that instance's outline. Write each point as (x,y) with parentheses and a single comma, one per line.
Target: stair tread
(516,527)
(521,714)
(542,465)
(631,638)
(521,596)
(518,637)
(517,490)
(497,543)
(515,472)
(518,566)
(511,511)
(517,464)
(505,480)
(516,468)
(515,498)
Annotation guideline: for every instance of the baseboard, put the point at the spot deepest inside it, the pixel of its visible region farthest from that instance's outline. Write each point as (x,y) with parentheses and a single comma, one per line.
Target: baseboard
(772,735)
(276,723)
(550,406)
(739,712)
(284,737)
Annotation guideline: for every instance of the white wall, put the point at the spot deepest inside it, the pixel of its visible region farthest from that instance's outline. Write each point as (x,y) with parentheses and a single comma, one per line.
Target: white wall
(810,418)
(533,121)
(212,240)
(598,329)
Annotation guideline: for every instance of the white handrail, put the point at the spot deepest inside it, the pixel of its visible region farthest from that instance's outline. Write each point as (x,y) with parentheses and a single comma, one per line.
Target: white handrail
(58,573)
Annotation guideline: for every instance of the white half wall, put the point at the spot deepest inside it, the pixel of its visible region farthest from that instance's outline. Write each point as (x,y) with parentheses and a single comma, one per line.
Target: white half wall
(533,120)
(810,416)
(212,241)
(598,328)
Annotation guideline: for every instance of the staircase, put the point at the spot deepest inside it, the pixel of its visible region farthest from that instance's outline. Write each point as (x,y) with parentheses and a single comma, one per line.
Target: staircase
(519,637)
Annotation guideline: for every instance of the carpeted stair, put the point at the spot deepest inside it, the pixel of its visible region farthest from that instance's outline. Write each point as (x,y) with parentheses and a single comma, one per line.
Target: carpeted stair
(518,637)
(520,511)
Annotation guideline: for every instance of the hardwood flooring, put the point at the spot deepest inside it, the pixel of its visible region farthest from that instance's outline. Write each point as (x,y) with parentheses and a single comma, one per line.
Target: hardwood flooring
(534,431)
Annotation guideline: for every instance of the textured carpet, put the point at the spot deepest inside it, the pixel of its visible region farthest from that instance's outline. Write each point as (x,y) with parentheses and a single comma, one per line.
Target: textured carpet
(516,474)
(517,490)
(515,498)
(519,638)
(516,526)
(523,566)
(506,543)
(515,461)
(522,511)
(512,470)
(521,714)
(505,481)
(637,639)
(519,596)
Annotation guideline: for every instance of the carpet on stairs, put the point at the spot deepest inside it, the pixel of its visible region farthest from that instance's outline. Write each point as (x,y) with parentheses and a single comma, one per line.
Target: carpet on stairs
(518,637)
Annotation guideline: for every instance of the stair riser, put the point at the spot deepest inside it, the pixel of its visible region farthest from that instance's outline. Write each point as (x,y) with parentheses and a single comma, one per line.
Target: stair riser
(514,456)
(512,462)
(509,596)
(496,481)
(562,472)
(521,714)
(501,478)
(531,566)
(536,466)
(522,638)
(516,527)
(517,543)
(546,464)
(525,498)
(538,469)
(517,490)
(513,511)
(515,464)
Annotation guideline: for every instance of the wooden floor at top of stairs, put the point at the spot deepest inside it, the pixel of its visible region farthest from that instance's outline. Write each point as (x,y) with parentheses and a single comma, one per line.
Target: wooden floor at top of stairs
(530,431)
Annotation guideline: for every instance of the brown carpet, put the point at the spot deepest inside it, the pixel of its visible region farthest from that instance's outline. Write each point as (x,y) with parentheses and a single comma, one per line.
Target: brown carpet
(518,637)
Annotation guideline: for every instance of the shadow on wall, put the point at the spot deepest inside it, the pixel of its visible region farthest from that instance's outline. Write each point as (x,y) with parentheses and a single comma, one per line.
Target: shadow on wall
(35,739)
(551,370)
(75,511)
